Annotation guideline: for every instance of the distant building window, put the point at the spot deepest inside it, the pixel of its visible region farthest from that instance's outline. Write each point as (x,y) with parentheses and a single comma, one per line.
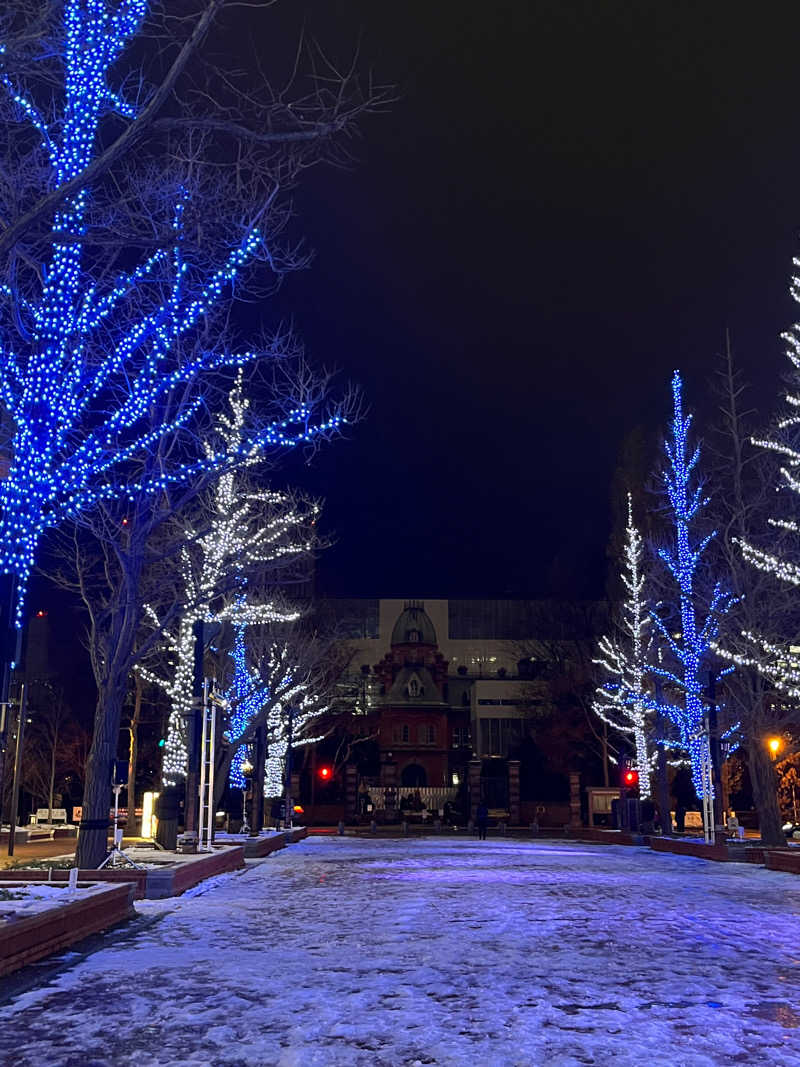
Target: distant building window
(460,736)
(413,687)
(413,636)
(405,733)
(431,735)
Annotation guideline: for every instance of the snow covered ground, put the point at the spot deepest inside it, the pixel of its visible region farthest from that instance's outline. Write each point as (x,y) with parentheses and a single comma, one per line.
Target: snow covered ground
(442,951)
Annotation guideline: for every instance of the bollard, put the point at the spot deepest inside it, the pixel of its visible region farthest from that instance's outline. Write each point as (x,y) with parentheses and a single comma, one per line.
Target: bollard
(534,829)
(471,827)
(373,827)
(503,829)
(341,828)
(405,826)
(437,826)
(73,879)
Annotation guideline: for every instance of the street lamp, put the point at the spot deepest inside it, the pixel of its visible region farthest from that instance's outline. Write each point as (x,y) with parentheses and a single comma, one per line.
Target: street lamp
(247,771)
(774,746)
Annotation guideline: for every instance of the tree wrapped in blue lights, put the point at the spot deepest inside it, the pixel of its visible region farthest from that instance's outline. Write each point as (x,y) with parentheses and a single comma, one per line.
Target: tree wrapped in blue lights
(622,699)
(132,208)
(89,363)
(688,633)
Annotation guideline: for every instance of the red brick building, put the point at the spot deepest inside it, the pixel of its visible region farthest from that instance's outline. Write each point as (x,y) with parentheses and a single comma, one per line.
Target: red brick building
(415,718)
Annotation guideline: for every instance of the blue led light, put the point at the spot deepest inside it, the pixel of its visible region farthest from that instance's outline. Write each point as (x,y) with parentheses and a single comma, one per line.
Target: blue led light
(81,388)
(691,650)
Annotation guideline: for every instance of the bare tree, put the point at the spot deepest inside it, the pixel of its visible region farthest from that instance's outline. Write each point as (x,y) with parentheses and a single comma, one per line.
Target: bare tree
(741,506)
(137,189)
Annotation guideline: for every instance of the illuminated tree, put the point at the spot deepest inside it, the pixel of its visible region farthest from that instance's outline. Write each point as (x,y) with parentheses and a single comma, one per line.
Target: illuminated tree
(132,204)
(623,656)
(687,633)
(245,533)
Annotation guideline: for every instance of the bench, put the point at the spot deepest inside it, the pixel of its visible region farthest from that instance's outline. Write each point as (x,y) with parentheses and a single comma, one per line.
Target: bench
(48,817)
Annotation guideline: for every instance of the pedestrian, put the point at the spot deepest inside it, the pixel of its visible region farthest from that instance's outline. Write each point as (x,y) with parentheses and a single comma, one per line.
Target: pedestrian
(276,813)
(680,817)
(482,820)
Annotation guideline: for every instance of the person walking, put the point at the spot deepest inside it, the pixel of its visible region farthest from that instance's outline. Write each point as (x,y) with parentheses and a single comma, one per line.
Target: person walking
(482,820)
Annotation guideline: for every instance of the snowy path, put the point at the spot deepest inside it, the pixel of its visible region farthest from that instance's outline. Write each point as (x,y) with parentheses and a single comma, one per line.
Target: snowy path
(439,951)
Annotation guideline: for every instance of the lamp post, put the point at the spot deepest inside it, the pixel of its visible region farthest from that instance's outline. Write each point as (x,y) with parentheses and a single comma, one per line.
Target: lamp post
(247,771)
(774,745)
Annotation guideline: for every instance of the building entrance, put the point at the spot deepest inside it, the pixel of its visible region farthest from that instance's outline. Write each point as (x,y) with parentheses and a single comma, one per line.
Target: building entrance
(413,777)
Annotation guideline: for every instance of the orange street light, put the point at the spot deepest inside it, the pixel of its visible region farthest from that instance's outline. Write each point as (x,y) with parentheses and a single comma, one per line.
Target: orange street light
(774,745)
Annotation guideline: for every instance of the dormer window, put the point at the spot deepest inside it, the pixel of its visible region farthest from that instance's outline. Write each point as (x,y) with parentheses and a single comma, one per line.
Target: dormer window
(413,687)
(413,637)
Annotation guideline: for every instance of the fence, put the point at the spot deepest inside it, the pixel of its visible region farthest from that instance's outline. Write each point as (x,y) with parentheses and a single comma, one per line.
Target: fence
(433,797)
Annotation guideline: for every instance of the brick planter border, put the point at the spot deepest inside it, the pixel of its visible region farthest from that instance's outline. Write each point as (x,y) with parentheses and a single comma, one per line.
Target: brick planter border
(166,880)
(25,940)
(788,861)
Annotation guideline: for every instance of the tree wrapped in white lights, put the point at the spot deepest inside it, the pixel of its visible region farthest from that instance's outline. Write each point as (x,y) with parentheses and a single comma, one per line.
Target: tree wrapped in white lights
(772,657)
(248,531)
(621,700)
(687,636)
(135,198)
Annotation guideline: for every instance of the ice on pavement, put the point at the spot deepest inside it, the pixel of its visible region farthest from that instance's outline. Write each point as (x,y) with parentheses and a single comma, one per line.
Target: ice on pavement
(441,950)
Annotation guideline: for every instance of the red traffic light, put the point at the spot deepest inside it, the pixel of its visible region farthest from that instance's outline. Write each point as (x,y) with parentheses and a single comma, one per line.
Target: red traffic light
(325,773)
(630,778)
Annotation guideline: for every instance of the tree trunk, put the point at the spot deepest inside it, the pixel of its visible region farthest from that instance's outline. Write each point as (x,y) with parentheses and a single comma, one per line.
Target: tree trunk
(132,827)
(605,754)
(765,793)
(93,835)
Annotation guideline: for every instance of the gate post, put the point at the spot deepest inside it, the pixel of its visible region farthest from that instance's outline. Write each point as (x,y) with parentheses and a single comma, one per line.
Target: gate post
(513,792)
(574,800)
(350,787)
(474,780)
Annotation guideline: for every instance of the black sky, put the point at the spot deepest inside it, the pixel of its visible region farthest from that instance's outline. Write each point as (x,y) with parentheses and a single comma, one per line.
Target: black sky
(567,201)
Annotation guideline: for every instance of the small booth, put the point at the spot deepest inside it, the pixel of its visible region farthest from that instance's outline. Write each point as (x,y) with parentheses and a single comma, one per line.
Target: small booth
(600,799)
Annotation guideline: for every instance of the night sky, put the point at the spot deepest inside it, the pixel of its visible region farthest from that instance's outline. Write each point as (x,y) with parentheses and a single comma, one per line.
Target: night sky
(567,201)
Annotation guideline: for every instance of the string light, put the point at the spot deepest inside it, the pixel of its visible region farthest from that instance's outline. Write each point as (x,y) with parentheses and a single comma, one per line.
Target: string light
(81,398)
(248,529)
(621,698)
(692,648)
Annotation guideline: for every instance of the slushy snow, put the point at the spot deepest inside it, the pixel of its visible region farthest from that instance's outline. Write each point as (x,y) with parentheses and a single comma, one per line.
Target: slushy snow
(443,951)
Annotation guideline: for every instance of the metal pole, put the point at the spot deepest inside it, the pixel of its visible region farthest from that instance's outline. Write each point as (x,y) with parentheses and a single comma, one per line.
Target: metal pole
(212,755)
(714,751)
(289,802)
(12,819)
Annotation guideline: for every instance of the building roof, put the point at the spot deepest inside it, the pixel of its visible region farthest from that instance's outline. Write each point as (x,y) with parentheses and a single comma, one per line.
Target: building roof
(414,686)
(413,626)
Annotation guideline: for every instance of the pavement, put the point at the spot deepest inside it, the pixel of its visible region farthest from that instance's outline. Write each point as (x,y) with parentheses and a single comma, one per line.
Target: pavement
(42,850)
(444,951)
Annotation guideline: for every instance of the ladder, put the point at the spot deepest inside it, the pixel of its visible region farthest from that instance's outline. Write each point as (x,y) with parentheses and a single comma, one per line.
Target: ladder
(207,754)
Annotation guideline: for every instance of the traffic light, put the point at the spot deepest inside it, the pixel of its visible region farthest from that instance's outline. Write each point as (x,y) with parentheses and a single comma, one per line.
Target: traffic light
(161,742)
(630,778)
(325,773)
